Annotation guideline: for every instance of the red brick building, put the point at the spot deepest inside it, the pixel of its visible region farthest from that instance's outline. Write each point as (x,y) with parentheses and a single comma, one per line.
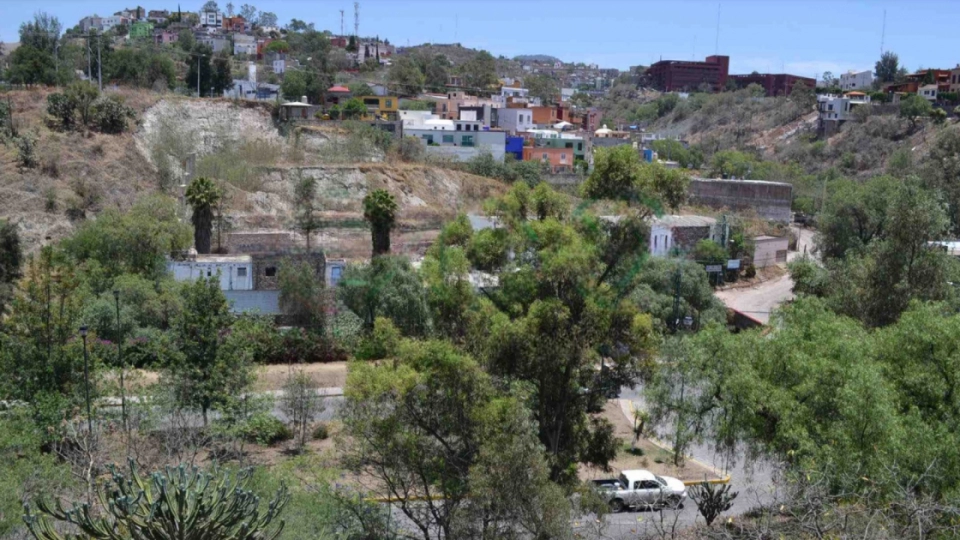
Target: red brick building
(234,24)
(776,84)
(679,75)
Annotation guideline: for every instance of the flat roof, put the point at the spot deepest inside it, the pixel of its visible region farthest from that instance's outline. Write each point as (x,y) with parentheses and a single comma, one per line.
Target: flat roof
(767,182)
(765,238)
(685,221)
(220,259)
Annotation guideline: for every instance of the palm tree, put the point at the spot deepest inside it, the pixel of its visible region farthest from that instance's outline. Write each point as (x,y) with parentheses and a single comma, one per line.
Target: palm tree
(380,209)
(202,195)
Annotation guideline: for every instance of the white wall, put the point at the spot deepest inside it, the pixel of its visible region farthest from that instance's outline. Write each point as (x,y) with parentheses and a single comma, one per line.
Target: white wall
(856,81)
(661,240)
(234,276)
(515,120)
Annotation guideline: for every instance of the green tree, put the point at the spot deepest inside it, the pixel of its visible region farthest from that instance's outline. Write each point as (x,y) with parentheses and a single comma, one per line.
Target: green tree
(804,97)
(278,46)
(213,365)
(380,210)
(352,44)
(187,42)
(359,89)
(480,72)
(222,78)
(887,67)
(202,195)
(939,116)
(914,107)
(616,175)
(436,72)
(406,73)
(353,109)
(387,287)
(940,171)
(81,95)
(670,185)
(306,218)
(195,503)
(301,294)
(11,260)
(543,87)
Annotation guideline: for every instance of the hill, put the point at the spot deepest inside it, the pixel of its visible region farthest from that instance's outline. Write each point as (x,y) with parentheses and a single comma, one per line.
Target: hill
(545,58)
(80,174)
(458,55)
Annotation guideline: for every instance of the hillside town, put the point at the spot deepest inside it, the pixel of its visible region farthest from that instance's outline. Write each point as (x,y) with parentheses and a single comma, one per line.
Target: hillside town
(263,279)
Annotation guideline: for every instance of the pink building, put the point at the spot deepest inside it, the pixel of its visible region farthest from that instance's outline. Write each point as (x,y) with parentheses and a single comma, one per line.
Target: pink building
(163,37)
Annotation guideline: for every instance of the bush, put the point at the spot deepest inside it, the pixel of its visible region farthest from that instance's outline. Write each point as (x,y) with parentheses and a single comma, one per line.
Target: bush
(61,108)
(410,149)
(750,272)
(264,429)
(321,432)
(26,151)
(110,115)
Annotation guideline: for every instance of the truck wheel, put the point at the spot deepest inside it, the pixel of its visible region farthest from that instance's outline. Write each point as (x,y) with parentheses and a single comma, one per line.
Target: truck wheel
(616,506)
(674,502)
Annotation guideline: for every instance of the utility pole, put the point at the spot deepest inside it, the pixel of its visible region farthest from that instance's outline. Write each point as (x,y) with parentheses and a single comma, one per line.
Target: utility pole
(356,22)
(198,74)
(678,280)
(99,65)
(883,31)
(89,65)
(341,23)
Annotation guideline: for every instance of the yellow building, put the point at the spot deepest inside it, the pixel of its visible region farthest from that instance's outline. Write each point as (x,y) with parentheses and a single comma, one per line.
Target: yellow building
(382,107)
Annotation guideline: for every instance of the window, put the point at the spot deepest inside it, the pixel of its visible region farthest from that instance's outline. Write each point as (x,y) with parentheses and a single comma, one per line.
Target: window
(241,272)
(545,158)
(467,140)
(389,103)
(335,273)
(459,127)
(371,102)
(270,271)
(648,484)
(568,145)
(427,138)
(830,107)
(655,242)
(476,127)
(563,157)
(208,272)
(448,139)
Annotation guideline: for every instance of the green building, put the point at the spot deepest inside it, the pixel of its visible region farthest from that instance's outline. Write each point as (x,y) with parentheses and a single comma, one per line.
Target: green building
(576,145)
(141,29)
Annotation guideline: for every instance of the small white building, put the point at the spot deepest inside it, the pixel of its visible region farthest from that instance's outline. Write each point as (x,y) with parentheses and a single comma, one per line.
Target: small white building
(769,250)
(234,271)
(425,120)
(680,233)
(509,91)
(928,92)
(244,44)
(515,121)
(856,80)
(839,108)
(211,19)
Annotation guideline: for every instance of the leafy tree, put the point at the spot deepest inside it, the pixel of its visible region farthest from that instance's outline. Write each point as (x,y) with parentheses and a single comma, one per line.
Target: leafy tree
(81,95)
(939,116)
(353,109)
(914,107)
(406,73)
(222,78)
(267,18)
(804,96)
(543,87)
(212,364)
(29,65)
(556,311)
(352,44)
(940,171)
(387,287)
(11,260)
(301,294)
(581,100)
(480,72)
(380,209)
(887,68)
(187,41)
(431,423)
(670,185)
(200,60)
(278,46)
(616,175)
(300,403)
(134,242)
(656,285)
(709,252)
(829,81)
(304,83)
(202,195)
(436,72)
(248,12)
(307,221)
(359,89)
(194,503)
(210,5)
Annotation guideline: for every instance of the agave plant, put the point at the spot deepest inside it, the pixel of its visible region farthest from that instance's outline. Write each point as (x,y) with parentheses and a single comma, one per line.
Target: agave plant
(179,503)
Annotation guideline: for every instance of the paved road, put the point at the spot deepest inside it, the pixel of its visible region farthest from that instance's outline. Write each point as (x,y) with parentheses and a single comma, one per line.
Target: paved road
(760,300)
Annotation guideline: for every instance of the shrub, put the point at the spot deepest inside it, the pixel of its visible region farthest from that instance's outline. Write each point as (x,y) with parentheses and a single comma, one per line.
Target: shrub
(410,149)
(712,501)
(750,272)
(321,432)
(264,429)
(26,151)
(110,115)
(61,108)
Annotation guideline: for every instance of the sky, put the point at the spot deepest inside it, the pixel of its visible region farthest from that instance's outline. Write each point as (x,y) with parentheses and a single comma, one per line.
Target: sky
(804,38)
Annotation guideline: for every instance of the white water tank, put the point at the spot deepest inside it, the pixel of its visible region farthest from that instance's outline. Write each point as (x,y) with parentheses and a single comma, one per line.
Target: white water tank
(251,72)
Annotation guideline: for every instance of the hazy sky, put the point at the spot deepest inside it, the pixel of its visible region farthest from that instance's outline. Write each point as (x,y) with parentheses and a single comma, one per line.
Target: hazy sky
(805,38)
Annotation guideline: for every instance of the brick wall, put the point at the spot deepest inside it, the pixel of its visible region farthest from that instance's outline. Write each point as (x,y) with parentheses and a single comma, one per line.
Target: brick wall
(685,238)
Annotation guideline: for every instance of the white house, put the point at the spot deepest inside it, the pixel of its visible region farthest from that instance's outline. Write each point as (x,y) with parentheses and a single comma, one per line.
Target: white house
(211,19)
(234,271)
(839,108)
(425,120)
(856,80)
(680,233)
(515,121)
(928,92)
(509,91)
(244,44)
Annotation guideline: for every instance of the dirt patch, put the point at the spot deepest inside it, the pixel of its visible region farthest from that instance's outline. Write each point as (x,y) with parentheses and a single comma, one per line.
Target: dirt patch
(642,455)
(329,375)
(765,274)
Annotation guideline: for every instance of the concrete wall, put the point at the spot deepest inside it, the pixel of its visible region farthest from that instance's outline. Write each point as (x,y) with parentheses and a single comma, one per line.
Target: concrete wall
(262,302)
(770,200)
(234,276)
(770,251)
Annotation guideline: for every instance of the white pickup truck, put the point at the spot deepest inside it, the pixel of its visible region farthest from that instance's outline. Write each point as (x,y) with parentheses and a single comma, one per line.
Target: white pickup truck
(639,488)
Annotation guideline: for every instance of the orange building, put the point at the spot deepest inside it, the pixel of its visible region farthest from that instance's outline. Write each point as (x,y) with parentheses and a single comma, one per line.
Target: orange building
(234,24)
(559,159)
(544,115)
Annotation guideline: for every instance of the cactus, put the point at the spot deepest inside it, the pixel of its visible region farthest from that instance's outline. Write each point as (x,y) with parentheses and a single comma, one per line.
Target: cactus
(182,503)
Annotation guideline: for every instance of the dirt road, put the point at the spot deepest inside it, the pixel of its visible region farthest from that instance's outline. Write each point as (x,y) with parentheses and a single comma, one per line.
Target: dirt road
(760,300)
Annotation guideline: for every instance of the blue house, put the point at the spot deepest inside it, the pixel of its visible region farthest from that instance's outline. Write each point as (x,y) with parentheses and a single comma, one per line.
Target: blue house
(514,145)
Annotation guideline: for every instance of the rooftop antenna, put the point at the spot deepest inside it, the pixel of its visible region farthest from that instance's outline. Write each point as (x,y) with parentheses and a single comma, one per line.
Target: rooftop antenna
(883,32)
(356,20)
(341,23)
(716,45)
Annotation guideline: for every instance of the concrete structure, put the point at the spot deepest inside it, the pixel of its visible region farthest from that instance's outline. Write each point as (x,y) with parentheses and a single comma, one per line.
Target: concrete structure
(211,19)
(254,302)
(234,24)
(158,16)
(380,106)
(509,91)
(775,84)
(835,110)
(106,23)
(514,147)
(954,79)
(576,145)
(679,75)
(856,80)
(234,271)
(163,37)
(244,44)
(770,200)
(515,121)
(141,30)
(91,22)
(558,159)
(544,115)
(216,42)
(928,92)
(769,251)
(680,234)
(461,144)
(246,89)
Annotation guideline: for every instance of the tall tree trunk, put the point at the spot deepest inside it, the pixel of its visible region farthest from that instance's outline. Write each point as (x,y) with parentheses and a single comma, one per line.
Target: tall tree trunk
(381,240)
(202,229)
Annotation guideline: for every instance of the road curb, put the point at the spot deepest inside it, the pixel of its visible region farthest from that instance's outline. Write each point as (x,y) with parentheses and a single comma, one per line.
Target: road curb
(626,407)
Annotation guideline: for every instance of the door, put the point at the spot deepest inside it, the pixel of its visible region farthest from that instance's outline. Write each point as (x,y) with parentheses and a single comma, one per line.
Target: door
(649,492)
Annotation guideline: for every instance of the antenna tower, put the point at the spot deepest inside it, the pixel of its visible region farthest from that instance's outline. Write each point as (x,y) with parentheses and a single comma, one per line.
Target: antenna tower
(716,45)
(883,32)
(356,20)
(341,23)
